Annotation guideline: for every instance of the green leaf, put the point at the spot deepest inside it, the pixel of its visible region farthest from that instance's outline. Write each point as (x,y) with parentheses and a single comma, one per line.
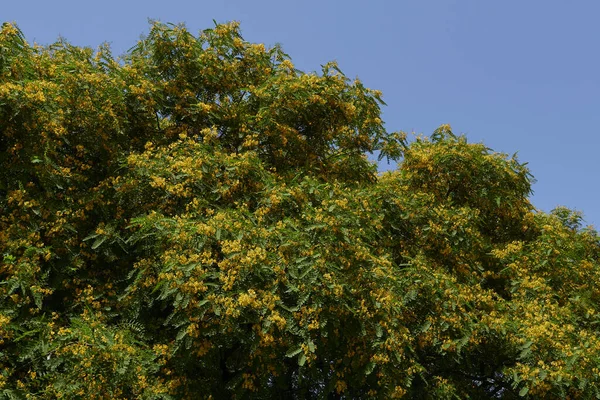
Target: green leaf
(98,242)
(523,391)
(181,334)
(426,326)
(293,351)
(37,298)
(301,359)
(290,309)
(369,368)
(90,236)
(525,350)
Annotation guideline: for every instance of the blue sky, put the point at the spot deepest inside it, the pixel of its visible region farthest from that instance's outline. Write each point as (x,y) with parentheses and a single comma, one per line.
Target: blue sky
(520,76)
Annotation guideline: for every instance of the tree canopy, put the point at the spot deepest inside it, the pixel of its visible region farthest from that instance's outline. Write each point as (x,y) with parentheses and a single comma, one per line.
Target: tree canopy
(199,219)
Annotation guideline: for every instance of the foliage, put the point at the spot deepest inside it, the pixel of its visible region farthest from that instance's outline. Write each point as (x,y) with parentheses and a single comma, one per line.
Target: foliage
(198,219)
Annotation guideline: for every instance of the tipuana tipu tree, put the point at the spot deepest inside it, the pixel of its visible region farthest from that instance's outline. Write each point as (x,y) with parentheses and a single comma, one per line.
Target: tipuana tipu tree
(198,219)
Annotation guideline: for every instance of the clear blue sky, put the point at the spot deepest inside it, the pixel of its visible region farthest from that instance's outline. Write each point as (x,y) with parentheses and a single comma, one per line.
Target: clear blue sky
(521,76)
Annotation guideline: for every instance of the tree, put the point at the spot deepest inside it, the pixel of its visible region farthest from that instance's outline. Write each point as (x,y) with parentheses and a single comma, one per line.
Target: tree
(198,219)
